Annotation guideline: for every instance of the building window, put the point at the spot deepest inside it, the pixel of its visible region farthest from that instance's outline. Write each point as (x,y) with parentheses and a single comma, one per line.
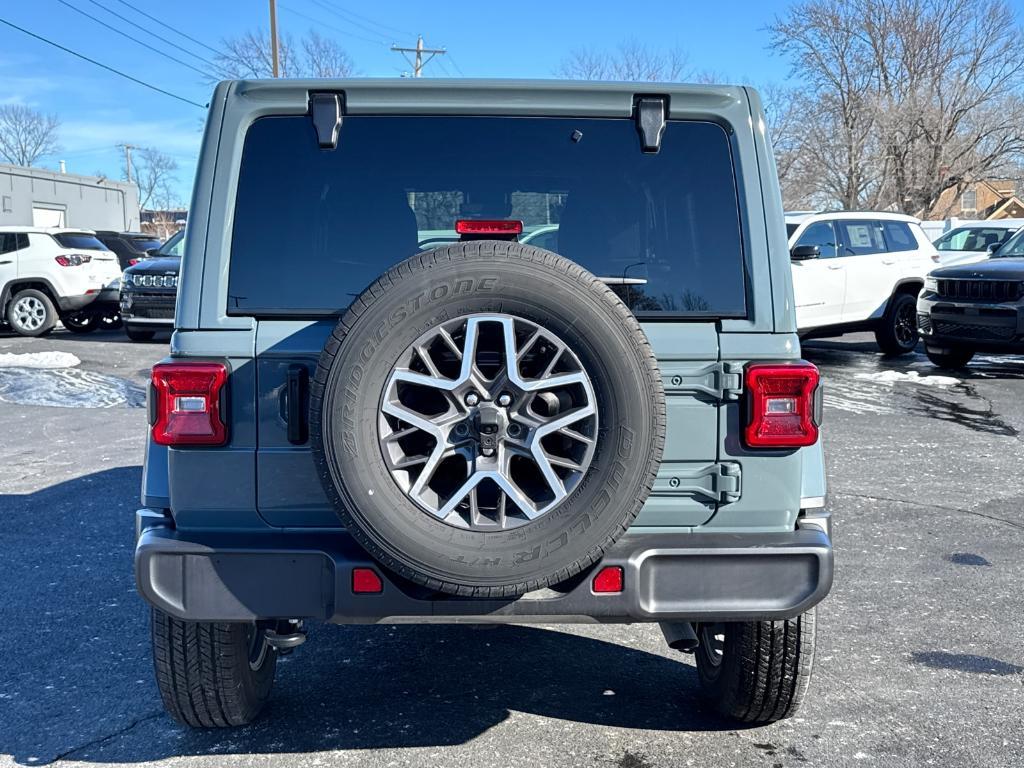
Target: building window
(8,204)
(969,201)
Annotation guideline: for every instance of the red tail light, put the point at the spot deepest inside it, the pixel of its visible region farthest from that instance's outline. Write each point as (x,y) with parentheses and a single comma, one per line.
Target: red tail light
(187,406)
(781,410)
(489,227)
(609,580)
(73,259)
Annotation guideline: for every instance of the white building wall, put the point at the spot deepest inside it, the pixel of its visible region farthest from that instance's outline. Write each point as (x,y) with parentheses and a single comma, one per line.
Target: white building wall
(34,196)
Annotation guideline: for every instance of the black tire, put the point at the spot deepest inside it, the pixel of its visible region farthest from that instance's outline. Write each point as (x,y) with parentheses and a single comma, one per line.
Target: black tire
(206,675)
(763,670)
(136,334)
(952,358)
(896,333)
(450,282)
(111,322)
(39,301)
(81,322)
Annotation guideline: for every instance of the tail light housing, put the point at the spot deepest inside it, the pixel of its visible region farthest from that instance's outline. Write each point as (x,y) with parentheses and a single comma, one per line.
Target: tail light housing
(188,402)
(73,259)
(783,405)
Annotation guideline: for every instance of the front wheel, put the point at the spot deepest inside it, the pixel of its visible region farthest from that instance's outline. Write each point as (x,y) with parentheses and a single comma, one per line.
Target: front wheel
(81,322)
(756,671)
(897,330)
(212,675)
(135,334)
(31,313)
(949,358)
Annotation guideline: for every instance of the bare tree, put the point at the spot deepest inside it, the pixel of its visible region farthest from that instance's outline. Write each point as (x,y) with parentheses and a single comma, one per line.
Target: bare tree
(248,55)
(155,177)
(632,60)
(27,135)
(904,98)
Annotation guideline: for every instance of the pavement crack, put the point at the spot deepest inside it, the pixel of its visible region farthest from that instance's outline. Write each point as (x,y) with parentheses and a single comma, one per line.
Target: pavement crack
(962,510)
(102,739)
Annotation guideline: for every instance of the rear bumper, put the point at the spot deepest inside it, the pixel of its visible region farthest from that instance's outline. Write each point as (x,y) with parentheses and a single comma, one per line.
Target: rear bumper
(668,577)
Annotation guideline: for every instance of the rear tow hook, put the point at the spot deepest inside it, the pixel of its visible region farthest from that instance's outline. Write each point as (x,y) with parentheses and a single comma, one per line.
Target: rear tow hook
(286,636)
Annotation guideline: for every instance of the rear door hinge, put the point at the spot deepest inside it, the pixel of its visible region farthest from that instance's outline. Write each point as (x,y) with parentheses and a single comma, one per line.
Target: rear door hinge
(722,381)
(327,110)
(719,483)
(651,115)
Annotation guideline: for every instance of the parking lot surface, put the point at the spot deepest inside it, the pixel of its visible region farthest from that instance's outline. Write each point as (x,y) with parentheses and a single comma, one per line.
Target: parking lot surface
(920,659)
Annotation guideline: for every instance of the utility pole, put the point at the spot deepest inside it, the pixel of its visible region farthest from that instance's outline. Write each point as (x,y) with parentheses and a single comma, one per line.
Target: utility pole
(419,62)
(127,159)
(273,38)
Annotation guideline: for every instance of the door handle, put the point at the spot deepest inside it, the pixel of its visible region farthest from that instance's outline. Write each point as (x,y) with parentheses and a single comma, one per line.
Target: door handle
(8,261)
(296,402)
(835,266)
(888,261)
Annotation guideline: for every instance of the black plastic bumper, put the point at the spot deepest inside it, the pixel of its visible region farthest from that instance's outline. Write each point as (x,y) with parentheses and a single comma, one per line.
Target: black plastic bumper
(668,577)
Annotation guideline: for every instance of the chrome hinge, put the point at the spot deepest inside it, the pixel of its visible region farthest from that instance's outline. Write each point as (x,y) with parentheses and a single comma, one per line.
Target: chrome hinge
(718,483)
(722,381)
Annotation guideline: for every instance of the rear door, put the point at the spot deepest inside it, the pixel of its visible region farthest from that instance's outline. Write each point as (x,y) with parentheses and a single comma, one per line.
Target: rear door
(871,272)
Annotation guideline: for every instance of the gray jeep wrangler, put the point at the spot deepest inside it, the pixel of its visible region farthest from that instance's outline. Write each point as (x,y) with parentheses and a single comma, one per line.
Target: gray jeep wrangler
(488,352)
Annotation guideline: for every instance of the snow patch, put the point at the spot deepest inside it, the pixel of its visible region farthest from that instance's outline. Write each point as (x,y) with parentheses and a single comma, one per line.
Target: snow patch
(909,377)
(38,360)
(68,388)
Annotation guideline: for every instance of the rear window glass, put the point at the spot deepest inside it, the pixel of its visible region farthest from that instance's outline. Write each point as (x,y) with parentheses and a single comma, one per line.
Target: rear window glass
(898,236)
(79,240)
(312,228)
(145,243)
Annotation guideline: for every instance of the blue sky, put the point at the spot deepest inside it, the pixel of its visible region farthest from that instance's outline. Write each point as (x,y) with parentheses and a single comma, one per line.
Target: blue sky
(527,38)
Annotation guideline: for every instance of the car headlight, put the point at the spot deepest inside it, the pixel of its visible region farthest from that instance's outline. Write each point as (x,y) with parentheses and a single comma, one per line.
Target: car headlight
(931,284)
(128,279)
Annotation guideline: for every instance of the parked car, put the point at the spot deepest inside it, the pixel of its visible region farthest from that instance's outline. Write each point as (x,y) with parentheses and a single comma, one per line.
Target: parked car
(970,308)
(974,242)
(149,291)
(130,247)
(48,274)
(352,430)
(859,271)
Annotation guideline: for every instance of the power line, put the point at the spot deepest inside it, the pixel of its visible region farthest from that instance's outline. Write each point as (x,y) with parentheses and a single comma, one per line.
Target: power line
(380,37)
(328,26)
(172,29)
(456,65)
(104,66)
(134,39)
(151,33)
(385,27)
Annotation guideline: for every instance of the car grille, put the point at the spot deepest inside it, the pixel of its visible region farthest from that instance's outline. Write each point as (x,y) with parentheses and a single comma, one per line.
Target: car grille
(980,290)
(969,331)
(152,306)
(155,281)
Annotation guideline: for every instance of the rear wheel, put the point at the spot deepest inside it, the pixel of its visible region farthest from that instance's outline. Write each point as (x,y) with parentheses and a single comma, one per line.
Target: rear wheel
(81,322)
(756,671)
(950,358)
(137,334)
(212,675)
(31,313)
(897,332)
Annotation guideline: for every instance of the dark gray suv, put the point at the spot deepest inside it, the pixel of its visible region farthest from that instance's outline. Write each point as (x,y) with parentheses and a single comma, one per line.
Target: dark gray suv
(357,426)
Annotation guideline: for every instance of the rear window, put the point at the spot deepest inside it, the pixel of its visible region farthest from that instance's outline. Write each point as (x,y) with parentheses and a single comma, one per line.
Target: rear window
(79,240)
(898,236)
(145,243)
(312,228)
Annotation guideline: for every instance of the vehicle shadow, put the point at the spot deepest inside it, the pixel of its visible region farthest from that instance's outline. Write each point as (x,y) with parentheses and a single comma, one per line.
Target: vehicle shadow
(78,680)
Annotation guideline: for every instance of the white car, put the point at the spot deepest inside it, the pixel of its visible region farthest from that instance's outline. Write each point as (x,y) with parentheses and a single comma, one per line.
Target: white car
(856,271)
(48,274)
(974,241)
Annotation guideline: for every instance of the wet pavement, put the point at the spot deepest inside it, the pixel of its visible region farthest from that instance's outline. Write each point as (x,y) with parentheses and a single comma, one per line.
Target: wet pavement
(920,659)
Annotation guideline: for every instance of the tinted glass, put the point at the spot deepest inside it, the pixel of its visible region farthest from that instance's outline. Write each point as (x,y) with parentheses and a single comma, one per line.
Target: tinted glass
(1013,247)
(8,242)
(860,238)
(898,236)
(791,228)
(79,240)
(312,228)
(175,245)
(144,243)
(972,238)
(823,235)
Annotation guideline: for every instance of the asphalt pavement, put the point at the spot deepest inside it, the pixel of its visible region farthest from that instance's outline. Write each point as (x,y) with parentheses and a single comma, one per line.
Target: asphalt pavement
(920,656)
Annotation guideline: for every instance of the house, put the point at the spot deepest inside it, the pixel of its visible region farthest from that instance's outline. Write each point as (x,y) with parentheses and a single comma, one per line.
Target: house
(981,200)
(164,223)
(38,197)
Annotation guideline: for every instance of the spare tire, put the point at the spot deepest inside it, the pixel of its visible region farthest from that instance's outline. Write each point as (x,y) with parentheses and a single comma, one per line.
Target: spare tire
(504,470)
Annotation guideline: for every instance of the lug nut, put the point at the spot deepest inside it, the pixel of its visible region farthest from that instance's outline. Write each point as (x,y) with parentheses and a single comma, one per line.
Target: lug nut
(514,430)
(504,399)
(461,430)
(472,399)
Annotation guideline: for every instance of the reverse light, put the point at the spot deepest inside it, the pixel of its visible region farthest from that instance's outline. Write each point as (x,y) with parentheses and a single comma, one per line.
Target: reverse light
(365,581)
(73,259)
(489,227)
(781,409)
(187,407)
(609,580)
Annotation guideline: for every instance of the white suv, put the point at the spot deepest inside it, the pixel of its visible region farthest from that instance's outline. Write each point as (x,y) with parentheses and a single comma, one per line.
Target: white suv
(859,271)
(51,273)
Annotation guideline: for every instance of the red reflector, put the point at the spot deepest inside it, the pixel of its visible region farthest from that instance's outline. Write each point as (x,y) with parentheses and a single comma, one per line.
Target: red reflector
(781,405)
(609,579)
(489,226)
(366,581)
(188,403)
